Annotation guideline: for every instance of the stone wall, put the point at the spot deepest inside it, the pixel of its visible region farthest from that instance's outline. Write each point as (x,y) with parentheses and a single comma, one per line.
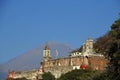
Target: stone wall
(63,65)
(93,61)
(98,63)
(68,61)
(30,75)
(58,70)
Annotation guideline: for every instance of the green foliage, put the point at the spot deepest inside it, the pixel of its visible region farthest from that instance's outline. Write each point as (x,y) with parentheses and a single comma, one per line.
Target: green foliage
(109,45)
(79,75)
(109,41)
(48,76)
(107,76)
(114,49)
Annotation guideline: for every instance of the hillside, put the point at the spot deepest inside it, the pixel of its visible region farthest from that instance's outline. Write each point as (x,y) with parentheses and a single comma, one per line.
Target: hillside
(112,38)
(109,45)
(80,75)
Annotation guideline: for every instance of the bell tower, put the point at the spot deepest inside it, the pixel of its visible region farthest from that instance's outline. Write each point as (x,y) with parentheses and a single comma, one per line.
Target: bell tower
(88,47)
(46,53)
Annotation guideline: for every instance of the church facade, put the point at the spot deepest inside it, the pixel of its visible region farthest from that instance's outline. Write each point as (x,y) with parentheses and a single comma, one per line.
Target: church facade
(77,60)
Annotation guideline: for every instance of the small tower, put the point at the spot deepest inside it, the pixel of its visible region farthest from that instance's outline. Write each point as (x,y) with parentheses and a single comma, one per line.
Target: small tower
(46,53)
(88,47)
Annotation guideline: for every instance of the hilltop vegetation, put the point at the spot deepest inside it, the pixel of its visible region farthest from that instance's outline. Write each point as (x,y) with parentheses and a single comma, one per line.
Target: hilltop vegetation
(79,75)
(111,48)
(105,44)
(108,45)
(48,76)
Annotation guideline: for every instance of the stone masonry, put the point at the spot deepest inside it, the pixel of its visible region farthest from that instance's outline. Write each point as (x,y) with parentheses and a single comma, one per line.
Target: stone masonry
(77,59)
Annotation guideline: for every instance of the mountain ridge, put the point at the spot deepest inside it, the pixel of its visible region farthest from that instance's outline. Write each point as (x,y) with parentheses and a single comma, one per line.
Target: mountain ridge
(32,58)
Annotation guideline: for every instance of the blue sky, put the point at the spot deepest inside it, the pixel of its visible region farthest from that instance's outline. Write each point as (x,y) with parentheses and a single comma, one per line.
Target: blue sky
(25,24)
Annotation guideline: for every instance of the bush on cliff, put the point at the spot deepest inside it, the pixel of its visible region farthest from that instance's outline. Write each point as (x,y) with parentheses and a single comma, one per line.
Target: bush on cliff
(48,76)
(79,75)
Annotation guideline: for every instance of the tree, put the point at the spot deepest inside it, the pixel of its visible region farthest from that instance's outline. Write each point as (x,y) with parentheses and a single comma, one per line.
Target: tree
(48,76)
(79,75)
(109,45)
(114,49)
